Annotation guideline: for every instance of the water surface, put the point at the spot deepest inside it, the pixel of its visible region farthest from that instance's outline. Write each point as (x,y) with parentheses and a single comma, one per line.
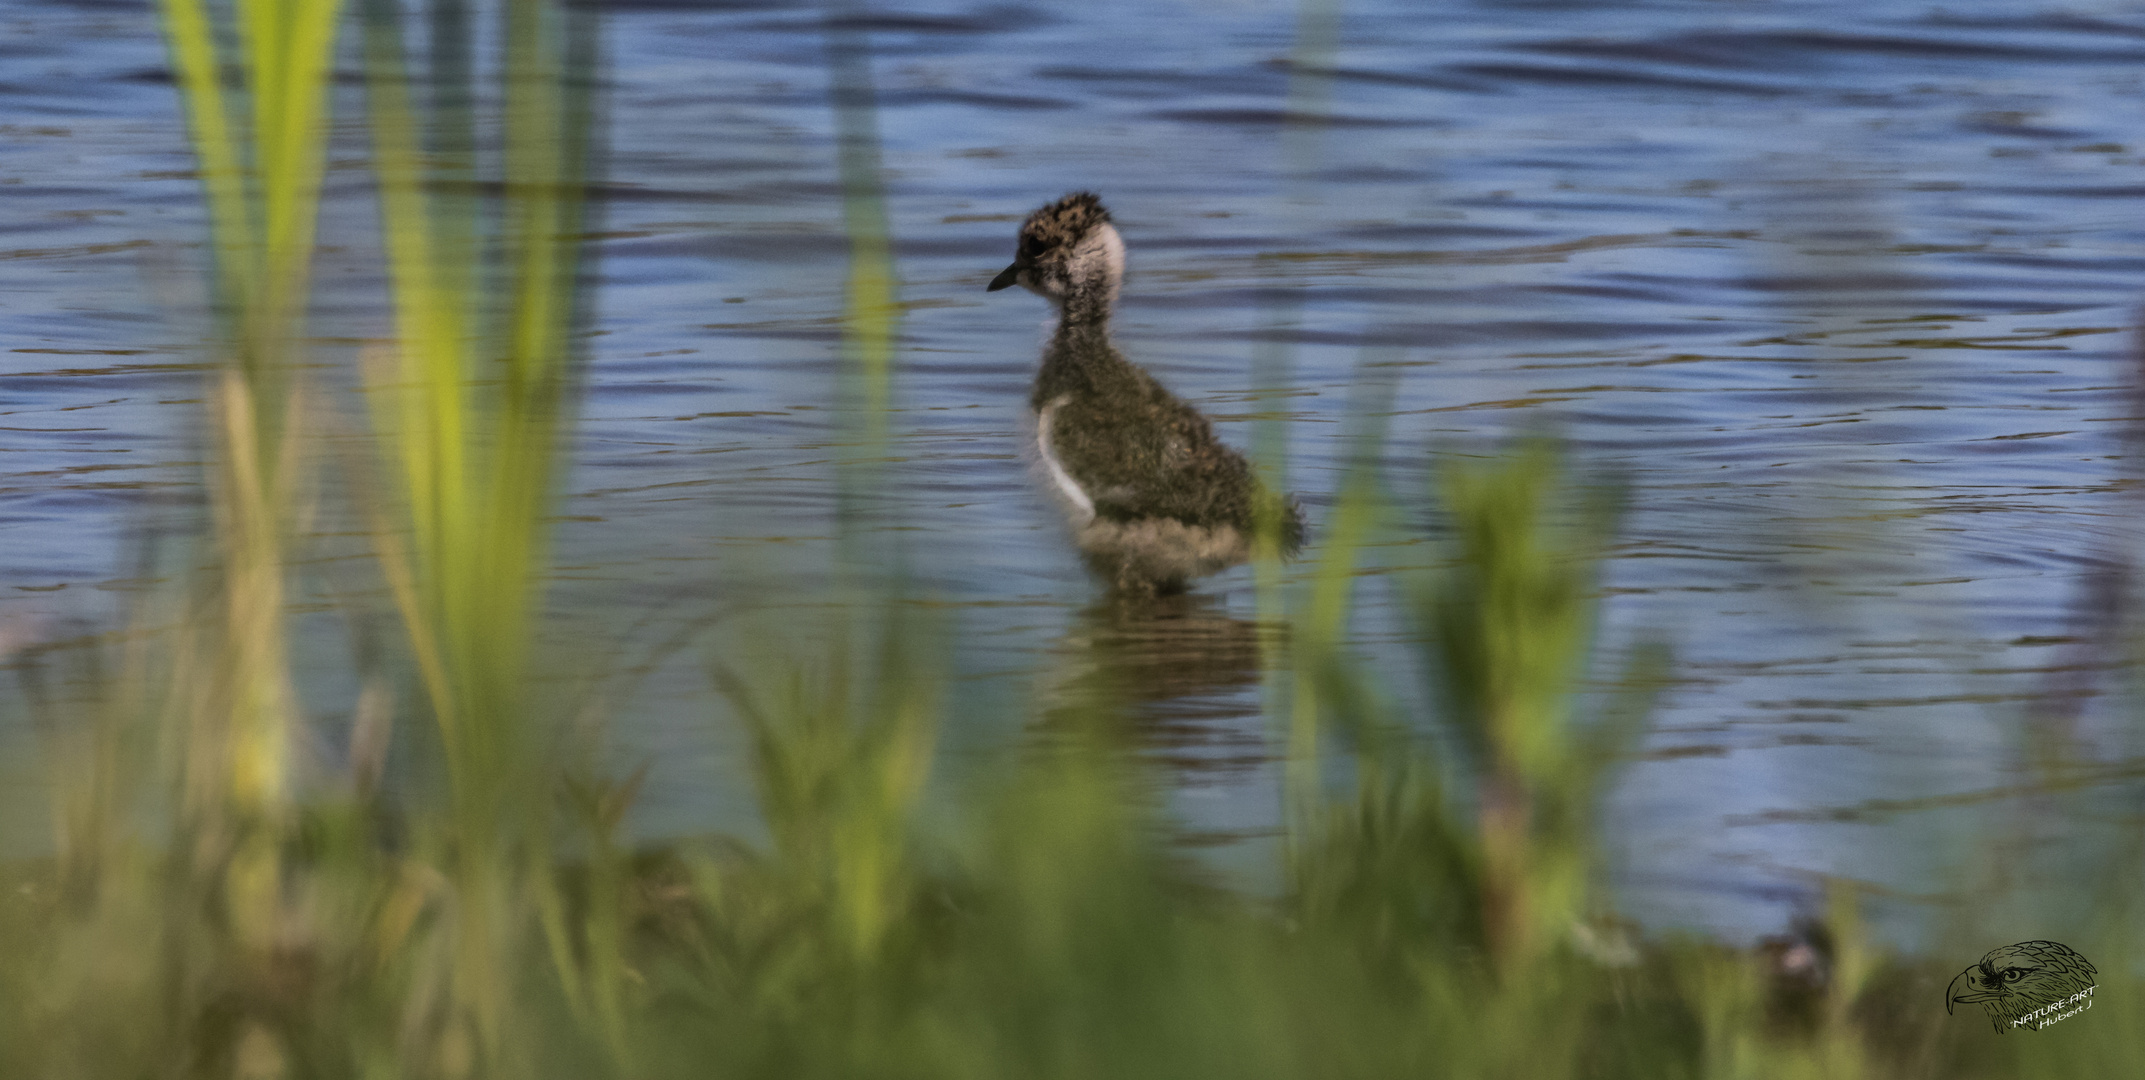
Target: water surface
(1841,291)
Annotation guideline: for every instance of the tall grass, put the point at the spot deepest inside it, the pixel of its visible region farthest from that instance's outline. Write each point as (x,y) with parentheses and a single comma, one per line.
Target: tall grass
(168,910)
(262,147)
(468,405)
(871,316)
(209,913)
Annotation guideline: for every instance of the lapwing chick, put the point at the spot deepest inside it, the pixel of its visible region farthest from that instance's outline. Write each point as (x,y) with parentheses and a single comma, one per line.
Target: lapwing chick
(1153,498)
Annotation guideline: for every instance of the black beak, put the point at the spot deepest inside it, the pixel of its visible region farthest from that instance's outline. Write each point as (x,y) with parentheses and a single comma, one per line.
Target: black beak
(1004,278)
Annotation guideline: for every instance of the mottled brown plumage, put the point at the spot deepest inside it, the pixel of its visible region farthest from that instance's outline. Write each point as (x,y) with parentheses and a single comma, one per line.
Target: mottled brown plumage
(1153,497)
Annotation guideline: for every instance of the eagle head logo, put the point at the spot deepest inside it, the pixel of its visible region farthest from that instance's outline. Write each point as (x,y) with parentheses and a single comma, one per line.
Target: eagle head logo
(2019,985)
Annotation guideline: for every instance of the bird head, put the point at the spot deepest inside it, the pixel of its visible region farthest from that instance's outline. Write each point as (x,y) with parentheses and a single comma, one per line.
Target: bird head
(1069,252)
(2015,980)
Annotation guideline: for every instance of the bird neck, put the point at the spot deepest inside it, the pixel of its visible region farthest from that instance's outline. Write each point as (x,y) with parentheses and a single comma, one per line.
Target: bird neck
(1079,361)
(1092,273)
(1087,306)
(1082,334)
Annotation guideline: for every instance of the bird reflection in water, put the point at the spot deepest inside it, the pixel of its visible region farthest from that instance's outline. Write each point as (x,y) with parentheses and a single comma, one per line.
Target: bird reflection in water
(1174,678)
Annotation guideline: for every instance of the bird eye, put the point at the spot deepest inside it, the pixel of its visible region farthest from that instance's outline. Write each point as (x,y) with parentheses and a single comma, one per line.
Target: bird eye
(2014,974)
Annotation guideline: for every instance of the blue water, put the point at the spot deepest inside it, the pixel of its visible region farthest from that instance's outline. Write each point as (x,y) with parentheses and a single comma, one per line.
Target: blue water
(1842,292)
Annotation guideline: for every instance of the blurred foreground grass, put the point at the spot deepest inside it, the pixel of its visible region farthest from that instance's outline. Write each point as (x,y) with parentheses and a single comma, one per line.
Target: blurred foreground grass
(210,910)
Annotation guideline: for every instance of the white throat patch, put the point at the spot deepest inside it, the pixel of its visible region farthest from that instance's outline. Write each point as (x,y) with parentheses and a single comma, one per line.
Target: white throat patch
(1101,255)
